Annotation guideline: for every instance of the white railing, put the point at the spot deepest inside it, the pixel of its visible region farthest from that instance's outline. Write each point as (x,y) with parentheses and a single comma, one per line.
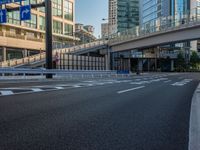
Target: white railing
(6,72)
(41,56)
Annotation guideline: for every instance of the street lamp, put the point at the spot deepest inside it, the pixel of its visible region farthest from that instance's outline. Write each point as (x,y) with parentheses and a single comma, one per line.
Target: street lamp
(108,25)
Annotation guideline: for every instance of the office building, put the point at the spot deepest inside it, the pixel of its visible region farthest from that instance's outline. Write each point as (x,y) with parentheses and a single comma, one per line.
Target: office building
(24,38)
(104,30)
(123,14)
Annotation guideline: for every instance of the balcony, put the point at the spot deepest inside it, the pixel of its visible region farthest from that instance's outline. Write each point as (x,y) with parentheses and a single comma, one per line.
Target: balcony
(9,39)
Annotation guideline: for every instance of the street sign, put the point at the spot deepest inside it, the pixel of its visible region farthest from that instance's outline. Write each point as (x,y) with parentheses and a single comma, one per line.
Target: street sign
(25,13)
(18,0)
(5,1)
(3,17)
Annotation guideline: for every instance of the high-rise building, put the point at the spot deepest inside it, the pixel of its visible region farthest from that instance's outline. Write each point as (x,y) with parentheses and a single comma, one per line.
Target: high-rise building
(151,10)
(123,14)
(24,38)
(104,30)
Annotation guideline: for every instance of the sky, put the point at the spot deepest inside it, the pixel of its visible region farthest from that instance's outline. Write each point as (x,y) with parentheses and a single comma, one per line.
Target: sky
(91,12)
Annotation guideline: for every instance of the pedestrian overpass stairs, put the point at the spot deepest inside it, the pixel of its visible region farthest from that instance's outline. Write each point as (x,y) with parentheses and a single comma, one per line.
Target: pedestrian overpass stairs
(39,59)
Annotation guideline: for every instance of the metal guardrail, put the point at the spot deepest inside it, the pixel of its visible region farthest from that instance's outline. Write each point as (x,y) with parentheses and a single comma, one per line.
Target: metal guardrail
(13,71)
(164,24)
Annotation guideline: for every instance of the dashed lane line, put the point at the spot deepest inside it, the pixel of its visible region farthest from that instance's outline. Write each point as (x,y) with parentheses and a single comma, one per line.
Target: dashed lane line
(167,81)
(129,90)
(6,93)
(37,90)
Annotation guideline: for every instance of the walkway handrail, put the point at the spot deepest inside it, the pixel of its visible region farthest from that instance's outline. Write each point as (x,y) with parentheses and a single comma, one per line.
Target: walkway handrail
(41,56)
(164,24)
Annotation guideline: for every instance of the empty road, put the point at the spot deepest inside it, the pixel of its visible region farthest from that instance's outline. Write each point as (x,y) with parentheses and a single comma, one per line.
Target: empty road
(149,112)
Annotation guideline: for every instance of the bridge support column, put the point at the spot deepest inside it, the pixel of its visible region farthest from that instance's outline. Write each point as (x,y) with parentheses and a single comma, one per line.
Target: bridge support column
(148,62)
(4,51)
(140,65)
(107,58)
(25,53)
(172,65)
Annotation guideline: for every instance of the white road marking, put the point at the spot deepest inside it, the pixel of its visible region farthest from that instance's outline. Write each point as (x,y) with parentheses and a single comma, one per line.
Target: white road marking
(167,81)
(36,90)
(132,89)
(182,83)
(77,86)
(139,83)
(59,88)
(6,93)
(89,84)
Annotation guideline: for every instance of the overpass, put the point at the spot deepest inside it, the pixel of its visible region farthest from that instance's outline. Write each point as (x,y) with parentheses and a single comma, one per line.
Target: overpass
(165,32)
(140,38)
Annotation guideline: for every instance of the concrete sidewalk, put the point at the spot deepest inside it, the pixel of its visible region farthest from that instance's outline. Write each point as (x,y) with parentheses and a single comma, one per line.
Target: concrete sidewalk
(194,131)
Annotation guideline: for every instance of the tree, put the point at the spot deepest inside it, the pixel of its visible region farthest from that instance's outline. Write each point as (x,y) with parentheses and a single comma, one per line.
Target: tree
(180,62)
(194,60)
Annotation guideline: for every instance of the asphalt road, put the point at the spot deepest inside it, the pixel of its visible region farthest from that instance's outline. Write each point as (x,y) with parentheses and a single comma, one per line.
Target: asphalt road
(148,113)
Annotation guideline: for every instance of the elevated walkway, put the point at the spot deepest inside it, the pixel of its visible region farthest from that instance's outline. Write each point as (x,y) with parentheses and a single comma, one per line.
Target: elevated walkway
(39,59)
(166,32)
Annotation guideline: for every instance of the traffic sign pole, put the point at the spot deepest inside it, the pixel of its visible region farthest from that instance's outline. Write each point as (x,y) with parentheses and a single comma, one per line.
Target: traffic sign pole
(48,10)
(25,14)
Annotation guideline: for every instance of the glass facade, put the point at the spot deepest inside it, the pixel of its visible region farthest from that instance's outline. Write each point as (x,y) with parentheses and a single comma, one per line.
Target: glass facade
(68,10)
(61,9)
(32,31)
(152,9)
(180,7)
(127,14)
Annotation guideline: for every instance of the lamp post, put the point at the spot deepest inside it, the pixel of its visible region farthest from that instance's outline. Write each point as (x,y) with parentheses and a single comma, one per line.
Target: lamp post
(108,25)
(108,62)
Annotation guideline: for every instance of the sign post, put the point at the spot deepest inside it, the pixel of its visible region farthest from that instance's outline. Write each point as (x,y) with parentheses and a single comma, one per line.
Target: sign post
(25,14)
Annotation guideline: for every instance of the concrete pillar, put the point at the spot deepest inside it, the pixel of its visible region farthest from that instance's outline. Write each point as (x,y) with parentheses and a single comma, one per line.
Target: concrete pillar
(148,62)
(4,54)
(140,65)
(107,58)
(25,53)
(172,65)
(129,64)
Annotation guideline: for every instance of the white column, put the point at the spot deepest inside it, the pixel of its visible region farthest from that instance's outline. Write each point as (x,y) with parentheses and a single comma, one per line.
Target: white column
(25,53)
(4,54)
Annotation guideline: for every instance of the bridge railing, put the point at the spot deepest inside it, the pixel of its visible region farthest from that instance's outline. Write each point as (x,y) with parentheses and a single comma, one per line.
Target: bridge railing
(41,56)
(162,24)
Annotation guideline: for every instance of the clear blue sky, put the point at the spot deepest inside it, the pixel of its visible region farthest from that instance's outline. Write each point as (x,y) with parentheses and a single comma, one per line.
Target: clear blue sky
(91,12)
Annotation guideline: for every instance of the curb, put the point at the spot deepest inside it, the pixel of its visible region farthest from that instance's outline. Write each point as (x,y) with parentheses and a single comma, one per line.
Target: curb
(194,130)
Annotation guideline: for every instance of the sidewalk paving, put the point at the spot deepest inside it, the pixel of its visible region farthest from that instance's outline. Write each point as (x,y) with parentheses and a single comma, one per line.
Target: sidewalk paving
(194,131)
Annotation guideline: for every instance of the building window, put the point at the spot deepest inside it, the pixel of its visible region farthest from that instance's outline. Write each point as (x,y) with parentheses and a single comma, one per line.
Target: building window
(13,18)
(57,27)
(31,23)
(68,10)
(42,23)
(68,29)
(57,8)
